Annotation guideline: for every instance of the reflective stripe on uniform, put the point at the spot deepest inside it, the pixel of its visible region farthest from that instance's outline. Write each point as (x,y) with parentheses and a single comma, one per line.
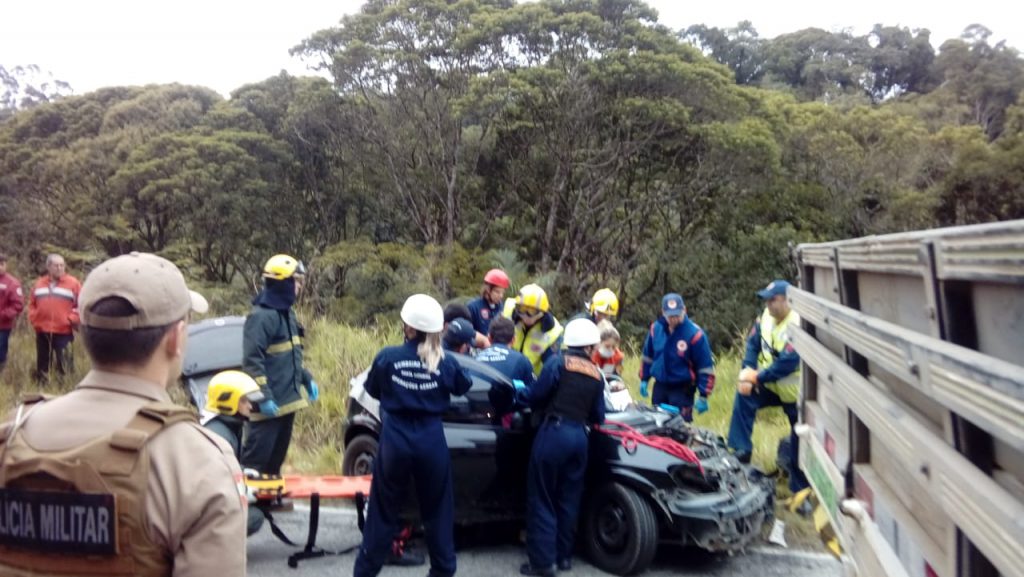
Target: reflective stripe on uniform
(285,346)
(59,292)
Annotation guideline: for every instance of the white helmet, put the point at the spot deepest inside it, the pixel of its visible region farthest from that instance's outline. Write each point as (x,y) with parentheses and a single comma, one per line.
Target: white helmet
(581,333)
(423,313)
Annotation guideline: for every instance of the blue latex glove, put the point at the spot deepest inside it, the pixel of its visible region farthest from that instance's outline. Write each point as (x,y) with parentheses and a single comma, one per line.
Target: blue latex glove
(643,388)
(313,390)
(269,408)
(702,405)
(518,384)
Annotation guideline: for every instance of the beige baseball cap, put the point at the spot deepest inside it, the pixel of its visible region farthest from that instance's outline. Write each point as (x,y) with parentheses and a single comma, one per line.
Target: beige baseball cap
(152,284)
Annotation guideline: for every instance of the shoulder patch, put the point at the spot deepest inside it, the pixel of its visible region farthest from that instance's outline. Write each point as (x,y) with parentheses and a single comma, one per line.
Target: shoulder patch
(582,366)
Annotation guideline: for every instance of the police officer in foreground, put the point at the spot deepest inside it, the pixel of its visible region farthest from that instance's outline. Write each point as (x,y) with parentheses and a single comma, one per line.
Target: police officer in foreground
(570,391)
(771,369)
(272,355)
(414,382)
(118,480)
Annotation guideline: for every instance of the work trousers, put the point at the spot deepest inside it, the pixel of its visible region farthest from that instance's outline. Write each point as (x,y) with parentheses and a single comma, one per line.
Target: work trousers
(554,488)
(676,394)
(744,412)
(266,444)
(412,448)
(56,349)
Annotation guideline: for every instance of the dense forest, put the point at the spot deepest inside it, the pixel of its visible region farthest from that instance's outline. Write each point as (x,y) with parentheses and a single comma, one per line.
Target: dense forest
(577,143)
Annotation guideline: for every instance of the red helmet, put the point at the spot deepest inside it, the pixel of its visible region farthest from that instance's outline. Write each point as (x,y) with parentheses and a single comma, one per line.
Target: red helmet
(497,277)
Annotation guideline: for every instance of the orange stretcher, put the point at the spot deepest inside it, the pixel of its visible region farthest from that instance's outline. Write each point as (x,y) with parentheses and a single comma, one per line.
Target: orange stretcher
(304,487)
(272,490)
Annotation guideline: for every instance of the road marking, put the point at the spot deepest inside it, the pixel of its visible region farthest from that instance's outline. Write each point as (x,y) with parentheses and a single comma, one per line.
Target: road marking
(777,552)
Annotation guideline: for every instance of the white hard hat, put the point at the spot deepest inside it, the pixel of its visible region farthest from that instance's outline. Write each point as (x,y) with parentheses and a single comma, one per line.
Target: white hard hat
(581,333)
(423,313)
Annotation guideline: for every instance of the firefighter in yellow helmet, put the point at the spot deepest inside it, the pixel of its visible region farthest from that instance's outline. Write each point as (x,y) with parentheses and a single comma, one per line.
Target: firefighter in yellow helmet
(604,305)
(231,397)
(538,333)
(272,356)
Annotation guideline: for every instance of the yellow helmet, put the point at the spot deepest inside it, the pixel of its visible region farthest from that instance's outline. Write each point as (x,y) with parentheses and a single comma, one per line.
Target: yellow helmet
(282,266)
(532,296)
(606,302)
(227,389)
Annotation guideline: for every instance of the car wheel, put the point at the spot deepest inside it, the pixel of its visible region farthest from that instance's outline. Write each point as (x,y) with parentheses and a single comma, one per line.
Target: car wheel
(620,532)
(359,454)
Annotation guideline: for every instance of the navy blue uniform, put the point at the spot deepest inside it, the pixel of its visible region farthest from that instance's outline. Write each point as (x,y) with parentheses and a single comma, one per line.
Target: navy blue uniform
(508,362)
(412,446)
(680,362)
(482,313)
(571,389)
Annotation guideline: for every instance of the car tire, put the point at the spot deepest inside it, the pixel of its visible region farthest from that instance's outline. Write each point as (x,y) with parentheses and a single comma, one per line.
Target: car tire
(620,531)
(359,455)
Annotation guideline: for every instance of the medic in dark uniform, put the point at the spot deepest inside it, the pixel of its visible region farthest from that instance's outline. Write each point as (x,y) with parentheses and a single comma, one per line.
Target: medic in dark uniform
(487,306)
(414,382)
(571,391)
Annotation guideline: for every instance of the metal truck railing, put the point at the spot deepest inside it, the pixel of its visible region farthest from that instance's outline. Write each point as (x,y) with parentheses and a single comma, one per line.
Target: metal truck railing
(913,408)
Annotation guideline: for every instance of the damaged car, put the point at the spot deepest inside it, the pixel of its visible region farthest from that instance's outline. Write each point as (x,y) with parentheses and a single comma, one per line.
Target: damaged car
(651,478)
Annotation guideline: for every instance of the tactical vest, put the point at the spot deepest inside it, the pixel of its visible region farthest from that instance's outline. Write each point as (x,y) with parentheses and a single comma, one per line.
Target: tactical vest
(774,338)
(81,511)
(578,384)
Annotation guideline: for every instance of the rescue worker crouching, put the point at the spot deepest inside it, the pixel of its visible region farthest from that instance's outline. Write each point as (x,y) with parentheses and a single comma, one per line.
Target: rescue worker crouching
(677,355)
(272,355)
(538,334)
(154,493)
(570,392)
(414,383)
(770,376)
(230,399)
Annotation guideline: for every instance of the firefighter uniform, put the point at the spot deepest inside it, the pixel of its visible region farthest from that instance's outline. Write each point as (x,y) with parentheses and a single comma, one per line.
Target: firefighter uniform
(412,446)
(538,342)
(570,392)
(272,356)
(118,439)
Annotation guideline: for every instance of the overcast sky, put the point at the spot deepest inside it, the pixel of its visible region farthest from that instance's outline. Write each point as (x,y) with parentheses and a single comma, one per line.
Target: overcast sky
(223,44)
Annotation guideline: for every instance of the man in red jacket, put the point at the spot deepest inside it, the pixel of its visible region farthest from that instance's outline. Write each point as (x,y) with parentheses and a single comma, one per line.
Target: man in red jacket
(53,312)
(11,303)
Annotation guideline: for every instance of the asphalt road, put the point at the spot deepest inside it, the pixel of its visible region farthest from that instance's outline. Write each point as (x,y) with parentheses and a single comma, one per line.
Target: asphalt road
(268,556)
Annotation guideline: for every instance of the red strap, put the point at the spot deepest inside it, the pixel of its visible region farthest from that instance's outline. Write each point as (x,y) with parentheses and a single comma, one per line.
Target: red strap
(696,337)
(631,438)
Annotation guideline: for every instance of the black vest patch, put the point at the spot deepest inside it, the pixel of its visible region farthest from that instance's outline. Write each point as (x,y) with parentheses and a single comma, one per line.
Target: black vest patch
(53,522)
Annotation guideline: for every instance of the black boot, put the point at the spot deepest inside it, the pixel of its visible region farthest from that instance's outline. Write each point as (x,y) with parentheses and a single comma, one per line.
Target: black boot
(527,569)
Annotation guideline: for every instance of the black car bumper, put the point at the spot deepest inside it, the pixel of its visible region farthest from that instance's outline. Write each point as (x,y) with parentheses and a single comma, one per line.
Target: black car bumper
(722,521)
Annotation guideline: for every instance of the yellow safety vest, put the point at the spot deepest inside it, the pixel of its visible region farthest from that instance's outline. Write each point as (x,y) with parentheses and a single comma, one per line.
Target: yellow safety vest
(774,338)
(103,482)
(532,342)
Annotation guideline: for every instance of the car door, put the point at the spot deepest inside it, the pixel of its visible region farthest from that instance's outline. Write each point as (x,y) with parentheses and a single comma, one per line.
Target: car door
(489,453)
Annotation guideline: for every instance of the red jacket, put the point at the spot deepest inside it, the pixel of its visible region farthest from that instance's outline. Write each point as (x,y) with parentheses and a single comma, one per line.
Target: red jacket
(11,301)
(54,309)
